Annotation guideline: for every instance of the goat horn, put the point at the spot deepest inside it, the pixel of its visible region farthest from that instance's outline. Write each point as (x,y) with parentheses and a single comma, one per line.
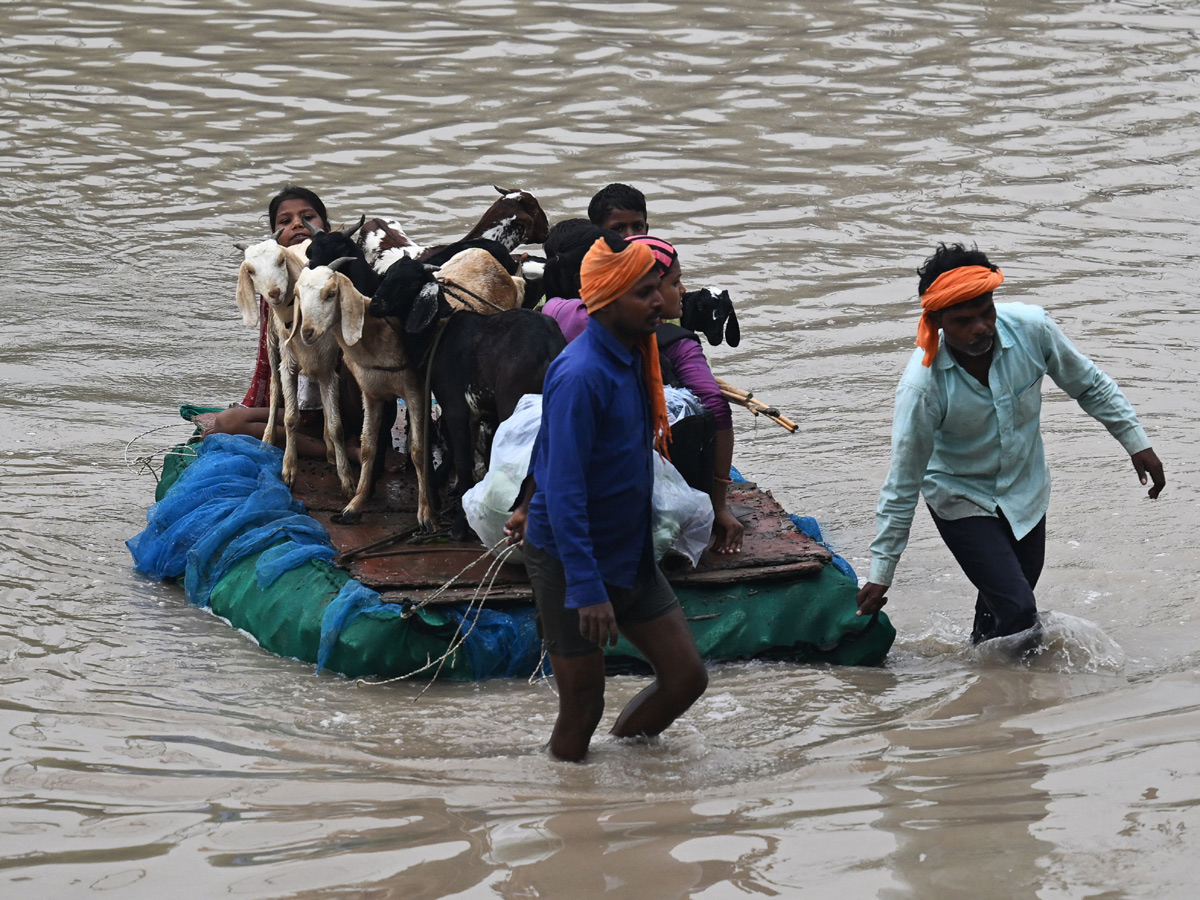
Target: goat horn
(312,229)
(337,263)
(503,191)
(241,245)
(348,231)
(429,267)
(277,232)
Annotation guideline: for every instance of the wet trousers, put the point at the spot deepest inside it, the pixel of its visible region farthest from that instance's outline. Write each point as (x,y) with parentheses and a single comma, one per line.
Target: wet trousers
(1003,569)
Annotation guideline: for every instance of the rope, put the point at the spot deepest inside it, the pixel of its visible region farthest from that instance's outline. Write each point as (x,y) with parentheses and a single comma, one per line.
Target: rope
(459,637)
(451,286)
(140,465)
(536,677)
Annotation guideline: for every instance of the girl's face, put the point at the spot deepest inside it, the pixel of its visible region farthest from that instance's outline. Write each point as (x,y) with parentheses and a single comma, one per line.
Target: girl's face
(291,216)
(672,292)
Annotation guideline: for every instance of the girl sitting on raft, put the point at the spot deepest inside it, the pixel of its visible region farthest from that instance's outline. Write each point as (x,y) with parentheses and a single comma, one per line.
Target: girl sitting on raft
(289,213)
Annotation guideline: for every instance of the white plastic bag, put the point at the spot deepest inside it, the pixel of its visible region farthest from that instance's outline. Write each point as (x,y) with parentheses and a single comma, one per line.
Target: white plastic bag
(682,517)
(681,403)
(489,503)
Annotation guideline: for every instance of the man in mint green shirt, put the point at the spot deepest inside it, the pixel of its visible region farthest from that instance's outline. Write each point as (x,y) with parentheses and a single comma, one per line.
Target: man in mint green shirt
(967,435)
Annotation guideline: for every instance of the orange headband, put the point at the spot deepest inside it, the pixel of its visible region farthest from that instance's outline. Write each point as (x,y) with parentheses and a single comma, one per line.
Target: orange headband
(951,287)
(606,275)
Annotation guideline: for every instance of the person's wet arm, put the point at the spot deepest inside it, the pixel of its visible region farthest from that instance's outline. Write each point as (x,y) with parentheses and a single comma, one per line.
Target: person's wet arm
(687,356)
(1100,397)
(913,426)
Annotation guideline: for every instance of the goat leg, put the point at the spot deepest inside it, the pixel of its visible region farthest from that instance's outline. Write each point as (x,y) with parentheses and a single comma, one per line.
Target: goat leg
(352,513)
(291,416)
(335,438)
(275,396)
(416,399)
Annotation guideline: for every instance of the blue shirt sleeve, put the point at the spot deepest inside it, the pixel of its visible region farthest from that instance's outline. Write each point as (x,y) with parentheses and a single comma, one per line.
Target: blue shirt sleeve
(571,415)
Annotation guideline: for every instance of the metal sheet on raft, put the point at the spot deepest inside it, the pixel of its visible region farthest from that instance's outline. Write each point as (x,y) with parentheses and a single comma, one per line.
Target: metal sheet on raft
(772,548)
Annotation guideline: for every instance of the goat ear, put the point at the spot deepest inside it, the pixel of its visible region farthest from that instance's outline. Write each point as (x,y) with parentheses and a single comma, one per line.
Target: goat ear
(349,232)
(424,310)
(295,265)
(247,299)
(354,310)
(733,333)
(295,329)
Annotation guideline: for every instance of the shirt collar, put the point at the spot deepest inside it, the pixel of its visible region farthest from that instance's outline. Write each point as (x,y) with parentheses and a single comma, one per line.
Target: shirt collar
(605,338)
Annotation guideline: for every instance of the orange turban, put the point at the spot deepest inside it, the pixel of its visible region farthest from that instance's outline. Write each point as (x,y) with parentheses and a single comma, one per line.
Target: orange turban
(951,287)
(606,275)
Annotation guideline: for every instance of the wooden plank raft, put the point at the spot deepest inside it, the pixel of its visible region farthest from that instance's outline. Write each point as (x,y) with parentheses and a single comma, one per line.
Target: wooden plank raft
(405,568)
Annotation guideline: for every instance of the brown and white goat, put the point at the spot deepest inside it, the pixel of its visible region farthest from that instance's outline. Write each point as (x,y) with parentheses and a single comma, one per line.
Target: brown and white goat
(330,305)
(515,219)
(271,271)
(383,241)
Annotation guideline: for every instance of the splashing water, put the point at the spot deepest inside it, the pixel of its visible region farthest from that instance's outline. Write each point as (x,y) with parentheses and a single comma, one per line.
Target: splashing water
(1067,644)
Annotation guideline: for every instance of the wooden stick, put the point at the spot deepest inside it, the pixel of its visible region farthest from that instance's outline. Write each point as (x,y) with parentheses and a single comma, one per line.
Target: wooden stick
(746,399)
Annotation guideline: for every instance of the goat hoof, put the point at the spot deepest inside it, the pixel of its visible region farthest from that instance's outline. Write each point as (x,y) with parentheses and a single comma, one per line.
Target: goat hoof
(460,531)
(347,517)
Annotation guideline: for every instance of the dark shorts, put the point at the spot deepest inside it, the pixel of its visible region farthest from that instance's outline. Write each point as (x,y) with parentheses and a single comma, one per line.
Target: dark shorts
(650,598)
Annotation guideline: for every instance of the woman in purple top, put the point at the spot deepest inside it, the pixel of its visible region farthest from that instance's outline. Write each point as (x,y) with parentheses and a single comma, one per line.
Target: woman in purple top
(682,351)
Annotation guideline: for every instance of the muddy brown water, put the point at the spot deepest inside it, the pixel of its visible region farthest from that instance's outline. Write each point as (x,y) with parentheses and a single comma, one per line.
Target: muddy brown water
(804,155)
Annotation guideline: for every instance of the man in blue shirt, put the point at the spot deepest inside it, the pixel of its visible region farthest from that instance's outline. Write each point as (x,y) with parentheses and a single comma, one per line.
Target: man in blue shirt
(967,435)
(587,537)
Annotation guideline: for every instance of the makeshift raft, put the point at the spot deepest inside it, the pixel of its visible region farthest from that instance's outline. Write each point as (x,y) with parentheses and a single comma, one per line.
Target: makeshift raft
(359,601)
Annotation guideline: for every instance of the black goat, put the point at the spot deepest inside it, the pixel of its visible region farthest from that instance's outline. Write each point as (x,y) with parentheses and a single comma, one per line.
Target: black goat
(440,255)
(480,368)
(327,246)
(711,314)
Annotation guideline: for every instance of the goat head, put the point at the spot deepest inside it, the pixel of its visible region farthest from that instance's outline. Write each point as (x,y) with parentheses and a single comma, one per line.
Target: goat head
(711,315)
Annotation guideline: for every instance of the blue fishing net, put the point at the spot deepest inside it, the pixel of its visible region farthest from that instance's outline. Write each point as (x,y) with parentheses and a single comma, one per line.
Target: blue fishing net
(230,504)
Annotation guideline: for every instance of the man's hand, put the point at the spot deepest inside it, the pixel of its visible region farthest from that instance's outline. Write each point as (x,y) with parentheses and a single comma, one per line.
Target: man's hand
(871,598)
(514,528)
(598,624)
(1145,462)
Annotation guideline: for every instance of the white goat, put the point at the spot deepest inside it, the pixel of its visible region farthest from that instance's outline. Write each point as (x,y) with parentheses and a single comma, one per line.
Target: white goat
(271,271)
(329,304)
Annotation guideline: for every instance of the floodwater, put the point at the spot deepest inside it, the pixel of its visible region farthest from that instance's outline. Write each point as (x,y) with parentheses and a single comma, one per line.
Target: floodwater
(804,155)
